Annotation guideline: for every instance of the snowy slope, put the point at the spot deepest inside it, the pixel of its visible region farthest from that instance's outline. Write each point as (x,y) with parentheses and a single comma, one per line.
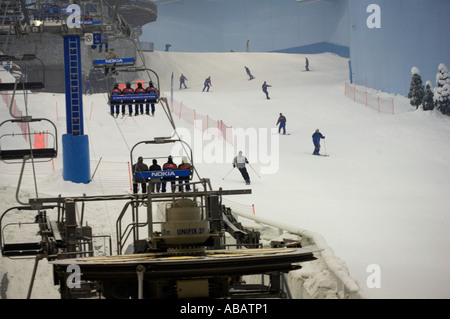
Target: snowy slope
(380,198)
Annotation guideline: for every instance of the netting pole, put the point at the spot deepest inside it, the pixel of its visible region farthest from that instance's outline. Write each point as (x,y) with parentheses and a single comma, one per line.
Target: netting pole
(129,174)
(232,139)
(181,106)
(92,106)
(354,93)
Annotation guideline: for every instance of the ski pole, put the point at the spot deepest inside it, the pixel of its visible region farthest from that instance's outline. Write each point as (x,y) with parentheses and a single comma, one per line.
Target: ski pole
(254,170)
(228,173)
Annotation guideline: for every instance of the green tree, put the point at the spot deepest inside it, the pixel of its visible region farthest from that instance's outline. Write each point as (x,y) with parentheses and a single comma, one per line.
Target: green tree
(428,102)
(416,90)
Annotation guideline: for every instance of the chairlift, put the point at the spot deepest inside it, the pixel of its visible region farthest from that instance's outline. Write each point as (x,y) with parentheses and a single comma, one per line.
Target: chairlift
(112,53)
(29,75)
(157,175)
(18,144)
(133,99)
(29,249)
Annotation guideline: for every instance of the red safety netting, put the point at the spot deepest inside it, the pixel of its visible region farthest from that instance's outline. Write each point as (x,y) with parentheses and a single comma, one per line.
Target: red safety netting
(363,96)
(202,122)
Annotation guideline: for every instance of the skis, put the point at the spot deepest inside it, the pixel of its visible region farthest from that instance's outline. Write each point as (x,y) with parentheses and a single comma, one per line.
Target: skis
(123,115)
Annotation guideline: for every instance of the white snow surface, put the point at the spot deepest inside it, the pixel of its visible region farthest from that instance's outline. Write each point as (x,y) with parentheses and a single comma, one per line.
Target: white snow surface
(380,198)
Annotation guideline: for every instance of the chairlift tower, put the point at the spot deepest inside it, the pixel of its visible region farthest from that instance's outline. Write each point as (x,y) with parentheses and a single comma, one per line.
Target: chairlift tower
(75,21)
(76,165)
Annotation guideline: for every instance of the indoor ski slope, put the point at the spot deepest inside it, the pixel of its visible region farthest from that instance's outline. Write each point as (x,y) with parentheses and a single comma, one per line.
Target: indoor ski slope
(380,198)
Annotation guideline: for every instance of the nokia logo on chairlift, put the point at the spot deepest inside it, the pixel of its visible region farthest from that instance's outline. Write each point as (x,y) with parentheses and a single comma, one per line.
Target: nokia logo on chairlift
(113,61)
(163,174)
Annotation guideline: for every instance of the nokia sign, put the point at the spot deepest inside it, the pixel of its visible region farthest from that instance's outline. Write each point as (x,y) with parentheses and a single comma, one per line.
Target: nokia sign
(161,174)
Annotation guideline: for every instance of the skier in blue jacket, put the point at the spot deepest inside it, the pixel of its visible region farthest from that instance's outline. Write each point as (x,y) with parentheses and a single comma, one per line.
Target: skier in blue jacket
(316,140)
(264,88)
(207,84)
(282,122)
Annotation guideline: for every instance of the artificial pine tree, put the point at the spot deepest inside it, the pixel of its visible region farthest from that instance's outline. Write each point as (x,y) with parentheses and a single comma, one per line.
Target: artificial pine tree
(428,103)
(416,91)
(442,90)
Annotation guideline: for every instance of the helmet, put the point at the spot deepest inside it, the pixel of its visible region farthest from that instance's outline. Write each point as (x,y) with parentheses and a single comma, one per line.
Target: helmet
(139,84)
(140,159)
(116,85)
(128,84)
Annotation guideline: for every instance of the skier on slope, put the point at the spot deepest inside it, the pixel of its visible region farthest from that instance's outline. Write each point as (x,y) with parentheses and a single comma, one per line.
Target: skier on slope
(239,162)
(282,122)
(207,84)
(316,140)
(182,81)
(264,88)
(249,73)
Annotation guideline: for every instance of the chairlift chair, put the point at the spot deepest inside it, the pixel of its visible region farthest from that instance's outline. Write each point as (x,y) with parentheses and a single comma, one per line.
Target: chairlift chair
(29,76)
(41,150)
(161,141)
(151,97)
(125,55)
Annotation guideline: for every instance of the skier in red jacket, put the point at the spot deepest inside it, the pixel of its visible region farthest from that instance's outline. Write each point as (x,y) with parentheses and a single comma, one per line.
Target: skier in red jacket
(169,166)
(126,91)
(115,91)
(139,90)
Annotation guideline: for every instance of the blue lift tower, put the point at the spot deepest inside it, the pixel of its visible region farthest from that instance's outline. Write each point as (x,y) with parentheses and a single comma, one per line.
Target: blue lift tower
(75,21)
(76,165)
